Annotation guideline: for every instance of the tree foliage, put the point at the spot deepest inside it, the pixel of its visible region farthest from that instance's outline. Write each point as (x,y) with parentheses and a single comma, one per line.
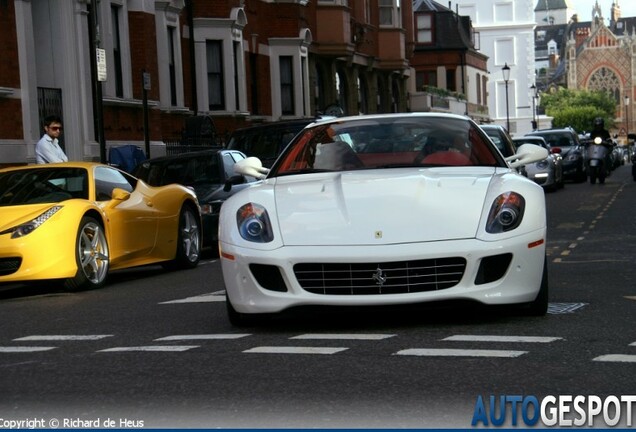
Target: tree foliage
(579,108)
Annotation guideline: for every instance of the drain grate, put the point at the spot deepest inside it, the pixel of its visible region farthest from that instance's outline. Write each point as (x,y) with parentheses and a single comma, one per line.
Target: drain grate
(563,308)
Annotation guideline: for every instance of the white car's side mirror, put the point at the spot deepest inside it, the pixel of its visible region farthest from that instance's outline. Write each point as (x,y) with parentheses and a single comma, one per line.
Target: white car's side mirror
(527,154)
(251,167)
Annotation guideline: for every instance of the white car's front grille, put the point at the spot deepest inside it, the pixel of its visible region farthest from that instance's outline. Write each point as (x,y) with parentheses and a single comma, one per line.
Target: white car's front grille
(380,277)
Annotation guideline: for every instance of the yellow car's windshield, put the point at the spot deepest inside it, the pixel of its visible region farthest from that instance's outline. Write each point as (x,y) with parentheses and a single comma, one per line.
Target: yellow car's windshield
(42,185)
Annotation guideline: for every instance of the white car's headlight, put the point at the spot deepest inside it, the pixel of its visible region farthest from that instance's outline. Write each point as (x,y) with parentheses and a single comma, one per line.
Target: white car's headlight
(505,213)
(253,223)
(30,226)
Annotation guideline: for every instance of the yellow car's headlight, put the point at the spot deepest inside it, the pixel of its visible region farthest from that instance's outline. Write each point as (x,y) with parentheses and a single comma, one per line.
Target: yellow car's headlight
(30,226)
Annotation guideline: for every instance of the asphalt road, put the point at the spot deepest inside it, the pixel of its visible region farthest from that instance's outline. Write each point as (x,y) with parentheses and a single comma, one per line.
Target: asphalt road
(155,349)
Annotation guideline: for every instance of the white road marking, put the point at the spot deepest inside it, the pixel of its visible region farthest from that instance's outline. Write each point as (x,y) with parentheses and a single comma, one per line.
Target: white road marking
(62,337)
(344,336)
(625,358)
(294,350)
(177,348)
(204,337)
(494,338)
(434,352)
(24,349)
(203,298)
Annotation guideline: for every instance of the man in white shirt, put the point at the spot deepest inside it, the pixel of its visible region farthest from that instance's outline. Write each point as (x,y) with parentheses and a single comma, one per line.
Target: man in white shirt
(48,149)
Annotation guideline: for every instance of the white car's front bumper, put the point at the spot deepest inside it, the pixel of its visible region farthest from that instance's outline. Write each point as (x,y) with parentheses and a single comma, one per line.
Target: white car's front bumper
(519,283)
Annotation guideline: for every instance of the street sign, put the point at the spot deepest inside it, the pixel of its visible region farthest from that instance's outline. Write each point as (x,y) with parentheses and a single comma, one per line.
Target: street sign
(146,81)
(101,64)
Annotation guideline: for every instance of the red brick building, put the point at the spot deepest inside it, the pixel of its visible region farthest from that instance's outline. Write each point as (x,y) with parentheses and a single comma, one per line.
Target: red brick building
(238,61)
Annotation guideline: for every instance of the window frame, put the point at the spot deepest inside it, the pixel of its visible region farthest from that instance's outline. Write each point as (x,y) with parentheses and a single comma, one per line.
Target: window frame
(430,28)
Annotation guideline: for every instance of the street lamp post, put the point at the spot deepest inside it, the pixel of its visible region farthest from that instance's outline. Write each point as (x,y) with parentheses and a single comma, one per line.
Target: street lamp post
(506,76)
(534,106)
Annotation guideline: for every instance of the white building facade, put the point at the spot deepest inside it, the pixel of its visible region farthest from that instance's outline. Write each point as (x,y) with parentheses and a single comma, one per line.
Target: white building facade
(506,35)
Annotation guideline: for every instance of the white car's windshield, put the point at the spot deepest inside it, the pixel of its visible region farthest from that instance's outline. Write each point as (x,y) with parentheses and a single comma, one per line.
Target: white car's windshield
(397,141)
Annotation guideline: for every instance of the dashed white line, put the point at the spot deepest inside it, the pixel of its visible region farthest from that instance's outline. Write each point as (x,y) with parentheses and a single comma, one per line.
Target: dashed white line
(204,337)
(624,358)
(203,298)
(495,338)
(175,348)
(294,350)
(343,336)
(62,337)
(24,349)
(434,352)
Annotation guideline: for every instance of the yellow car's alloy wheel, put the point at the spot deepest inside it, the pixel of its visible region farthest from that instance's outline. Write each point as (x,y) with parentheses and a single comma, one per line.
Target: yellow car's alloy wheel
(92,256)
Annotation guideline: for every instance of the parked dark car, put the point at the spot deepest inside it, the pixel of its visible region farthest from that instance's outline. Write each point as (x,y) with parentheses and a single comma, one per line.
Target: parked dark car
(209,172)
(501,138)
(266,141)
(572,151)
(503,141)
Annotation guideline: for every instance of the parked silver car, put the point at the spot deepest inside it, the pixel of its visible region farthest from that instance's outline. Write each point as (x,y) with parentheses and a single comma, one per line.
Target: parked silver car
(547,172)
(572,151)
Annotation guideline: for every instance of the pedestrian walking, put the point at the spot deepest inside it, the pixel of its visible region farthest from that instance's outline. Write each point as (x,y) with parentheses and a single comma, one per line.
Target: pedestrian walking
(48,149)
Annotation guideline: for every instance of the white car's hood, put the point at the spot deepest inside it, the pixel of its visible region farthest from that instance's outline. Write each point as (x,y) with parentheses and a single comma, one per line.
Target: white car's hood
(401,206)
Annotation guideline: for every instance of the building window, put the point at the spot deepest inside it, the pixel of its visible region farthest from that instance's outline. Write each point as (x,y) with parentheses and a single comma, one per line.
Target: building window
(606,80)
(389,13)
(451,85)
(214,56)
(286,85)
(254,83)
(478,89)
(363,96)
(303,68)
(172,67)
(236,67)
(117,65)
(424,28)
(425,79)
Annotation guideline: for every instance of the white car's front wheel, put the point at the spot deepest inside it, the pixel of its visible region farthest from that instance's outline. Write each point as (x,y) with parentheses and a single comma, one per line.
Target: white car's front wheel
(238,319)
(539,306)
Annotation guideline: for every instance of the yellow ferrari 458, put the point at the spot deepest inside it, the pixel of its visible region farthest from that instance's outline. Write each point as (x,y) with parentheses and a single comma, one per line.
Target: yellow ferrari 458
(76,221)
